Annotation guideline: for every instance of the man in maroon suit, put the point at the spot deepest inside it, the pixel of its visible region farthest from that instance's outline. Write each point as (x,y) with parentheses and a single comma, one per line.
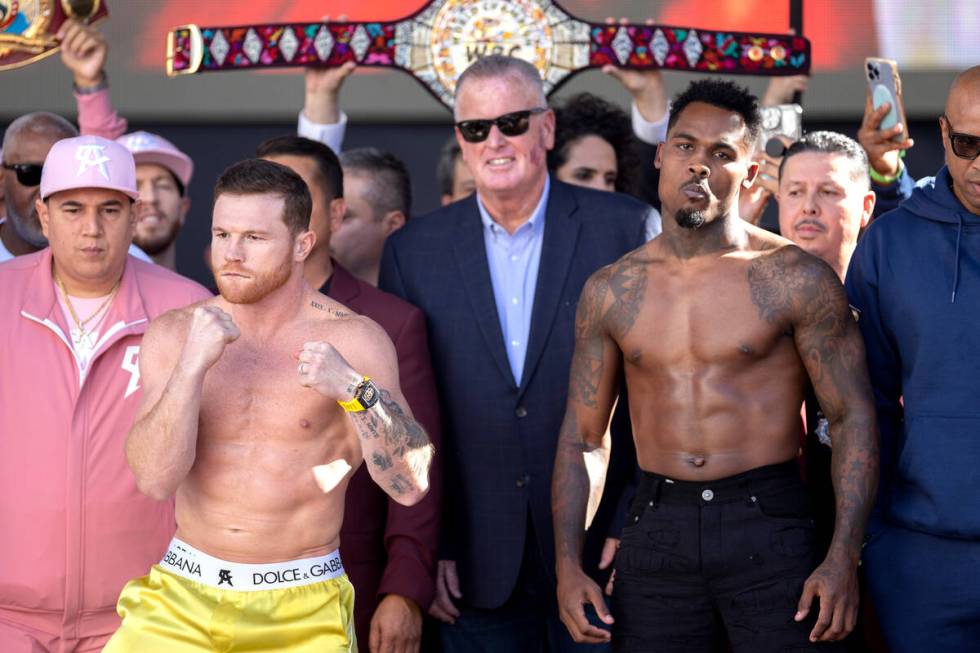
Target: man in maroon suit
(388,550)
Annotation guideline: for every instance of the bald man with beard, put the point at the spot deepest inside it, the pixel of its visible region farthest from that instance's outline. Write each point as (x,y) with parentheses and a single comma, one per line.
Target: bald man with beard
(915,282)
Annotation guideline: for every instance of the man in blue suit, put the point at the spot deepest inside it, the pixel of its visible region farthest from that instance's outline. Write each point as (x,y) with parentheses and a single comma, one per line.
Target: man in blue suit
(498,275)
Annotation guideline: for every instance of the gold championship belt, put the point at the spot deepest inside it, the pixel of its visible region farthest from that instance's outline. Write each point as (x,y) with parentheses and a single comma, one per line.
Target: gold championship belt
(438,42)
(27,27)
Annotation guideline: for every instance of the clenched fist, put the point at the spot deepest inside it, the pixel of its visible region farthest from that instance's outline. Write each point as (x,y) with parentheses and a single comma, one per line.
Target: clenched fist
(83,51)
(210,331)
(322,368)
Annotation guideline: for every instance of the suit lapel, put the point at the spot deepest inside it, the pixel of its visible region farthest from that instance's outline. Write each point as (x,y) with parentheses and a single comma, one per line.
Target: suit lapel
(471,256)
(557,251)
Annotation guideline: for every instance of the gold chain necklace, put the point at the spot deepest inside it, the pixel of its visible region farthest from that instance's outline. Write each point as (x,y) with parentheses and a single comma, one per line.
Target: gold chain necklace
(79,335)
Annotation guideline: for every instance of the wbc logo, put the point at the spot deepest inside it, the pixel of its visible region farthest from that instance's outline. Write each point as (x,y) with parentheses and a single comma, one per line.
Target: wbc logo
(92,156)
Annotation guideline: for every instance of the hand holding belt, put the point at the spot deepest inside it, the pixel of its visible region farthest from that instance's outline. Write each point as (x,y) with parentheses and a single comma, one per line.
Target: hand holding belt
(437,43)
(27,27)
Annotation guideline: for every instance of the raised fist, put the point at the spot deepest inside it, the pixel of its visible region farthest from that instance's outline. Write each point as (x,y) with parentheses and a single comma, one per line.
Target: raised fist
(322,368)
(83,51)
(210,331)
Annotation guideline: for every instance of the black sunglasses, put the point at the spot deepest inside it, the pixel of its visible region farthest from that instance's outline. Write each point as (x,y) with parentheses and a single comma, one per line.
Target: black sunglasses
(514,123)
(965,146)
(28,174)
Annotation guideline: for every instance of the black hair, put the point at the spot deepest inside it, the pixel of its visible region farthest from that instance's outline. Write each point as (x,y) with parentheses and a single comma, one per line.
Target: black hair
(391,188)
(828,142)
(724,95)
(589,115)
(262,177)
(327,164)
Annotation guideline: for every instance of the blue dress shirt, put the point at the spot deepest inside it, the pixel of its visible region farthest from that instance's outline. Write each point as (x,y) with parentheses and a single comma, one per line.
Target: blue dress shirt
(514,260)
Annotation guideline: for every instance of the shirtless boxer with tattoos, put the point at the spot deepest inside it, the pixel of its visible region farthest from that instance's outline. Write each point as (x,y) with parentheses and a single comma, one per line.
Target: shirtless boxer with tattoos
(717,326)
(244,395)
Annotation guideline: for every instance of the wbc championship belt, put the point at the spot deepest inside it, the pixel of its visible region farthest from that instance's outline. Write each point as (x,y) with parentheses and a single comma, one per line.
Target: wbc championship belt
(27,27)
(438,42)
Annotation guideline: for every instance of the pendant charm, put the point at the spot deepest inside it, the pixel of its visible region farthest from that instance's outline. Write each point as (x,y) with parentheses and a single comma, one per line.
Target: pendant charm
(82,340)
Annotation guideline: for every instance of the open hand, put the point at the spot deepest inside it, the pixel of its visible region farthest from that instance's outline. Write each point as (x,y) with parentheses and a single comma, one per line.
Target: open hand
(575,590)
(835,582)
(396,626)
(447,588)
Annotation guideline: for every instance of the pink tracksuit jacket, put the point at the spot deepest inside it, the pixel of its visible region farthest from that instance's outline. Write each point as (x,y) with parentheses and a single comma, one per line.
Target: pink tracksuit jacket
(73,527)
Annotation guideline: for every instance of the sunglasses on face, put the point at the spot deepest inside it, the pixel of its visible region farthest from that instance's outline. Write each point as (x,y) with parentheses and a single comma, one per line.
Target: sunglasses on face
(965,146)
(28,174)
(514,123)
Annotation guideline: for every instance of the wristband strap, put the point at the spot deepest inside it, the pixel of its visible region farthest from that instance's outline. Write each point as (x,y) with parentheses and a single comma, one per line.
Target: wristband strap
(438,42)
(884,180)
(354,405)
(101,85)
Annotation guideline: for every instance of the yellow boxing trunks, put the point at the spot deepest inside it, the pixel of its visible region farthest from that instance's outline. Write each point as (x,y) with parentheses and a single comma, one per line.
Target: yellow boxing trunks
(192,602)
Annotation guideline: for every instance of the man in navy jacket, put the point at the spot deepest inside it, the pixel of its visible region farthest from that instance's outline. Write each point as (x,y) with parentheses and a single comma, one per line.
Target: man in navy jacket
(498,275)
(915,279)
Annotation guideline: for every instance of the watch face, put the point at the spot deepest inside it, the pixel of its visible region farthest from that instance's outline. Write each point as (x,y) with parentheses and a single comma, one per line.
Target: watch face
(440,43)
(369,395)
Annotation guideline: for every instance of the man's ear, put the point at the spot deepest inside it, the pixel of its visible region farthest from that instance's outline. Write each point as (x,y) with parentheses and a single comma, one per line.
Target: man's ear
(185,207)
(42,214)
(338,206)
(393,221)
(303,245)
(868,208)
(659,157)
(751,174)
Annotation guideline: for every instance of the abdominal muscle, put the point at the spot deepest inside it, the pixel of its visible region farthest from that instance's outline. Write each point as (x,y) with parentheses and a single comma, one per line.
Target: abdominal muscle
(253,499)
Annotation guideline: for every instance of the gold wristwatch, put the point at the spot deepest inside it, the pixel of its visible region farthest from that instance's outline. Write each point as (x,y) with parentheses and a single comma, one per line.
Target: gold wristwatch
(366,394)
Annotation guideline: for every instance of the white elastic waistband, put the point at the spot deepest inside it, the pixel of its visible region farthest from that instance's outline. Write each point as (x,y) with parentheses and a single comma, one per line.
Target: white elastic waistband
(184,560)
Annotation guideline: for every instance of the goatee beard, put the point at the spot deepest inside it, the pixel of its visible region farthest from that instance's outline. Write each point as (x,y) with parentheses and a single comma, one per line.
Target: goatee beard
(690,218)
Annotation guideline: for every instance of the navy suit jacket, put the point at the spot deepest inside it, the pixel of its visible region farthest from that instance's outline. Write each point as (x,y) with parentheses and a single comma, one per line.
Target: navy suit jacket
(499,440)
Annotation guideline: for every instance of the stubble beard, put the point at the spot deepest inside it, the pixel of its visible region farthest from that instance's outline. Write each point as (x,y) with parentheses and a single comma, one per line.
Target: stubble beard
(159,244)
(258,289)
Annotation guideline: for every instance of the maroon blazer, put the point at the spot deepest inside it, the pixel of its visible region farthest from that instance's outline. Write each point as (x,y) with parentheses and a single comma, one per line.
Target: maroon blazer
(386,547)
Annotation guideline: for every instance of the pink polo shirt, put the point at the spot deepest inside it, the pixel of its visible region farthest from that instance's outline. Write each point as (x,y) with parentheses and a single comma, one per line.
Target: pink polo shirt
(73,527)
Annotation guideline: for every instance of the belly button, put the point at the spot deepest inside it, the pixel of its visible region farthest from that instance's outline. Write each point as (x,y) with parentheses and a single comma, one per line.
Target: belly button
(697,461)
(304,424)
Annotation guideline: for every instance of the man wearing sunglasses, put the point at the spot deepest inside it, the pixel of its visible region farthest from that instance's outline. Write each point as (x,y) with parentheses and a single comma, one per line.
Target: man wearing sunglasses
(915,279)
(498,275)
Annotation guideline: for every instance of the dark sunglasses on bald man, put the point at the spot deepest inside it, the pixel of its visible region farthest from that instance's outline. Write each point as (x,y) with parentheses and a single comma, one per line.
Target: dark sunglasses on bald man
(28,174)
(965,146)
(514,123)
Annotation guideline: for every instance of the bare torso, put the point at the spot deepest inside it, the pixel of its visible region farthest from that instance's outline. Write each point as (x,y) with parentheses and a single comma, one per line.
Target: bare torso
(251,494)
(715,388)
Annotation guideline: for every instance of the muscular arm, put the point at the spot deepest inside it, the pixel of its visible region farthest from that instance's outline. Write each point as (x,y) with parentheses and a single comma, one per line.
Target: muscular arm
(607,309)
(161,445)
(792,285)
(396,449)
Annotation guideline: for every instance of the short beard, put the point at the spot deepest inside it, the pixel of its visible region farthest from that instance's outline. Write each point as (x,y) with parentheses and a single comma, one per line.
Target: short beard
(159,244)
(26,229)
(690,218)
(263,285)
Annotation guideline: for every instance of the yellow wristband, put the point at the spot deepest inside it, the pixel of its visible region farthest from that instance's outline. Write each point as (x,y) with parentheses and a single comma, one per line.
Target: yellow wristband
(354,405)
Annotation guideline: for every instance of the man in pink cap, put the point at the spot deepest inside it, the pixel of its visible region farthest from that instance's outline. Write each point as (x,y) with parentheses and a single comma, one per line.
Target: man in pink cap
(162,175)
(73,526)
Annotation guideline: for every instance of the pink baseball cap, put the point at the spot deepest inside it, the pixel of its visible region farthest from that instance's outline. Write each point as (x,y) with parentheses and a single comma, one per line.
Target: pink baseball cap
(88,162)
(150,148)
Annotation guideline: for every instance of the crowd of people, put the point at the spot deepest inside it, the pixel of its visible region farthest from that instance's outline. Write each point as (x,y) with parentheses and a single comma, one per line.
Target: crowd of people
(546,416)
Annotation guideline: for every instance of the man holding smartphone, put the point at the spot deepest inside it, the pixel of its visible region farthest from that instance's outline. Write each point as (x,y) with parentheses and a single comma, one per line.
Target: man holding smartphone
(915,281)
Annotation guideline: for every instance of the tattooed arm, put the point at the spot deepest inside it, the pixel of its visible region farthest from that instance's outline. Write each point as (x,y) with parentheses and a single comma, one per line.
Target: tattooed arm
(396,449)
(607,308)
(801,289)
